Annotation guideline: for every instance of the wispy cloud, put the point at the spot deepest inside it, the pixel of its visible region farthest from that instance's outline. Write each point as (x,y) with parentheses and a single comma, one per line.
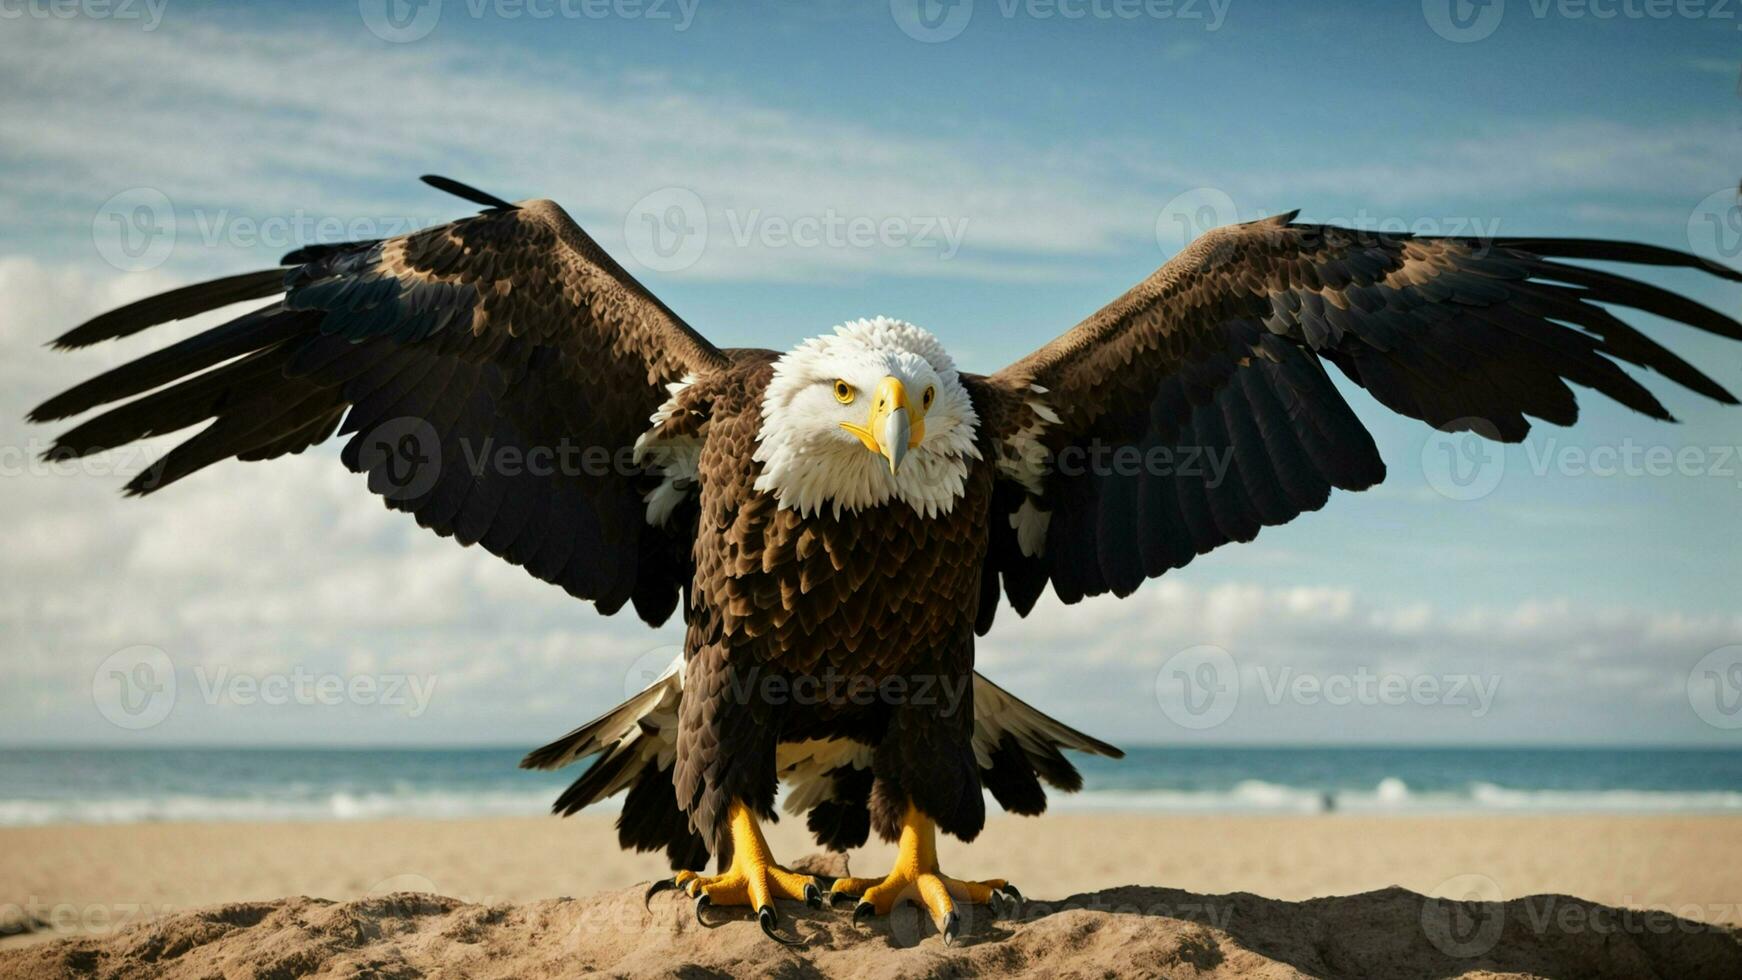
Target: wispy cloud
(1560,670)
(1716,66)
(1557,159)
(185,110)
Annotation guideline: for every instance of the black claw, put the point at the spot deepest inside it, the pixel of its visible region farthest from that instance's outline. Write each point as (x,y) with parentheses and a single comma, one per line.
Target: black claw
(813,896)
(702,902)
(952,927)
(766,918)
(864,910)
(842,899)
(1009,894)
(662,885)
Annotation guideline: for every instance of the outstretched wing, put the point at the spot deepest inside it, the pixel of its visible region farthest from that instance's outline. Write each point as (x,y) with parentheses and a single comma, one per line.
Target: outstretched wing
(493,374)
(1195,409)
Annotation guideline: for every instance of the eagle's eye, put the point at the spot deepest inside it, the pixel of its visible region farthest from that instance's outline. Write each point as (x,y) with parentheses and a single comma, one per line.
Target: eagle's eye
(844,392)
(925,400)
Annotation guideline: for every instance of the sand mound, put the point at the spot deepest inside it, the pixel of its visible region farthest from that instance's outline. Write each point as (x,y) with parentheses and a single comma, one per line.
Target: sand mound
(1122,931)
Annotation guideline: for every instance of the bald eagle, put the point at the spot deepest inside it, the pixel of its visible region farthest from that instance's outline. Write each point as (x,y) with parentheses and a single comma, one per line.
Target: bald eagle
(840,521)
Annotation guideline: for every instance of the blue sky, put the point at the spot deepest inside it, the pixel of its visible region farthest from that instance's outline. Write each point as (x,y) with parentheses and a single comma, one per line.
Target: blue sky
(1028,168)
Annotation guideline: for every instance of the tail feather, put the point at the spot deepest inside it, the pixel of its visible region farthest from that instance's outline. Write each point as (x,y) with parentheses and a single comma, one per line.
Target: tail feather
(635,744)
(997,712)
(620,724)
(828,780)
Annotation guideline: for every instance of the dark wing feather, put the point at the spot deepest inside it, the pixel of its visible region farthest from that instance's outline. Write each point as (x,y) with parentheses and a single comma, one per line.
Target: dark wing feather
(493,374)
(1211,372)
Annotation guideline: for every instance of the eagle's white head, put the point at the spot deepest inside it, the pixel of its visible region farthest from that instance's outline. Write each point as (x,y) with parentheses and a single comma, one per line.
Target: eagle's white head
(869,414)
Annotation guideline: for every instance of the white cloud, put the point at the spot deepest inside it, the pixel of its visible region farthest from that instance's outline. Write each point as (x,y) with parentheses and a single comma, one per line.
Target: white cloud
(1622,674)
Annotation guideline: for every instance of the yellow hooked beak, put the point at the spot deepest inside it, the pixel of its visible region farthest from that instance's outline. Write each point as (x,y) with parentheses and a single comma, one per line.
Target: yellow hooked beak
(893,427)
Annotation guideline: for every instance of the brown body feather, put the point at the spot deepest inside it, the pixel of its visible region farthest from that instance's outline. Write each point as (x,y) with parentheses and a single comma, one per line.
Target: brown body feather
(879,603)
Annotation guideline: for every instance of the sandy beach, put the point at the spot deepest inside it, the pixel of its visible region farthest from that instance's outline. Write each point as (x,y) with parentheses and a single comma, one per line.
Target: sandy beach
(79,880)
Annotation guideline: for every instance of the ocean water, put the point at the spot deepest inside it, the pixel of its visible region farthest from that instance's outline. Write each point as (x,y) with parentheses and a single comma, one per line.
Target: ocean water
(100,786)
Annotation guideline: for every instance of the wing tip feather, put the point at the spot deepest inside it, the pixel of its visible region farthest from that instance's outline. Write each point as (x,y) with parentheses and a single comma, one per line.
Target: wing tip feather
(467,192)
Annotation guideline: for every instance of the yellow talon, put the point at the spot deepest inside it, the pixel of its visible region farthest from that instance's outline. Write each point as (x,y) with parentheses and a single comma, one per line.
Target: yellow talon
(917,877)
(753,880)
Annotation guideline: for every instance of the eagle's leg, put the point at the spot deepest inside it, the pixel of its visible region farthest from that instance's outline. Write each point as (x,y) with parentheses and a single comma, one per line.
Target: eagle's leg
(753,879)
(917,877)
